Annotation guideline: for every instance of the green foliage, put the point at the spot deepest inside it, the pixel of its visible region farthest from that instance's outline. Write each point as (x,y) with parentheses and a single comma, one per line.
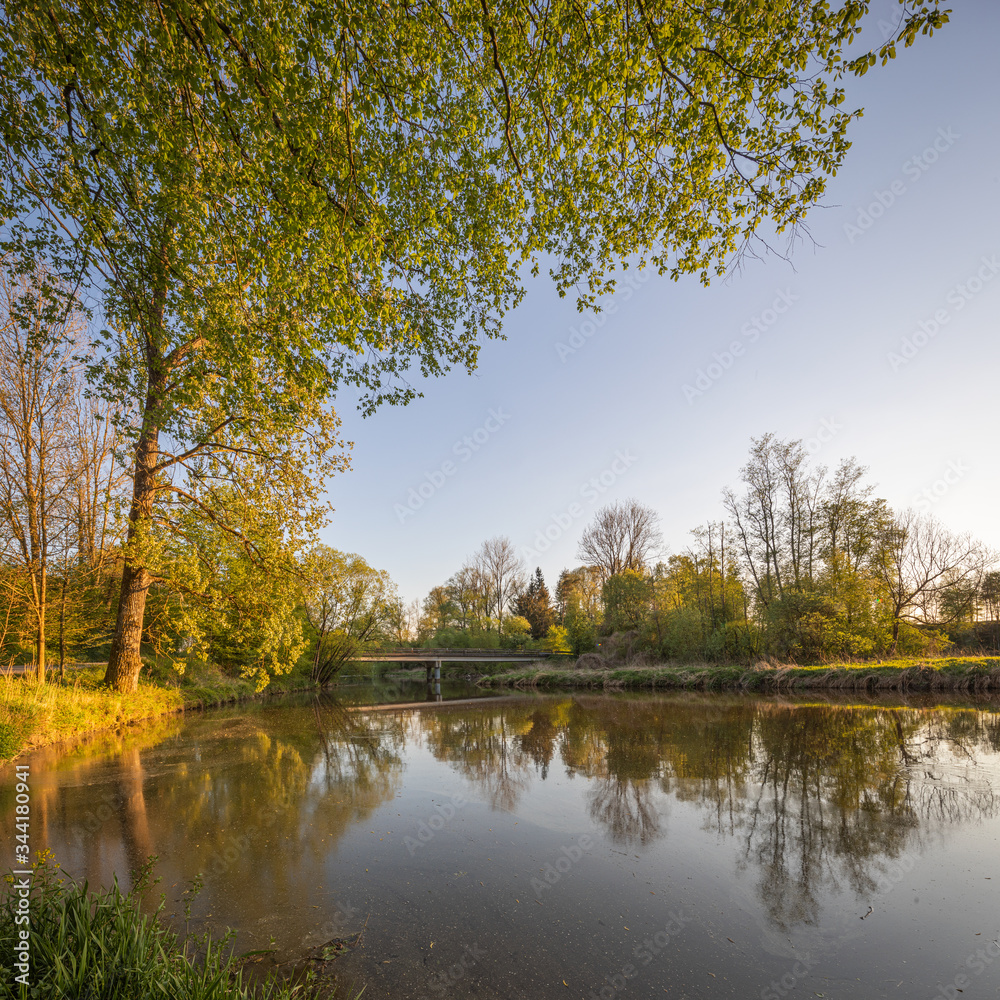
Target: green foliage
(557,640)
(100,944)
(351,608)
(682,634)
(581,630)
(11,738)
(296,198)
(535,605)
(225,595)
(578,597)
(627,599)
(516,627)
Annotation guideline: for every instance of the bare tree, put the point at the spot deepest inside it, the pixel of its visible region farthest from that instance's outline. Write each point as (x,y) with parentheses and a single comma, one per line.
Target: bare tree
(919,562)
(39,466)
(777,517)
(624,535)
(792,521)
(501,574)
(756,518)
(470,595)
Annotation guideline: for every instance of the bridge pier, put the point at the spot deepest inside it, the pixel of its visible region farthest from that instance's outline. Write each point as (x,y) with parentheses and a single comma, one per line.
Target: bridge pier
(435,666)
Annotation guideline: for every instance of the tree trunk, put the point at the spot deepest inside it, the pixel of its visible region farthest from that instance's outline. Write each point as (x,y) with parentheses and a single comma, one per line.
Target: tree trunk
(895,636)
(62,629)
(124,661)
(40,653)
(40,637)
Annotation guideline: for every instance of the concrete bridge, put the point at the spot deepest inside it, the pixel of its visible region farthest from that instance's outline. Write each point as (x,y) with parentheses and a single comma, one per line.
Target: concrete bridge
(435,657)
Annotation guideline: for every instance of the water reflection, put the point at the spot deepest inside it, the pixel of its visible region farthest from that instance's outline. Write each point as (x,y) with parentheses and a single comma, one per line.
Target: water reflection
(296,814)
(819,796)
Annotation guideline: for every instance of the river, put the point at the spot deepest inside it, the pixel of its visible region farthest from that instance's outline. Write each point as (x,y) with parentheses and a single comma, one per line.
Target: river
(563,846)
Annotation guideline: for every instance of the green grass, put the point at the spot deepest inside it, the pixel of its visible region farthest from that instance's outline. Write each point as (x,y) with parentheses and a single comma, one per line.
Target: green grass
(101,946)
(33,715)
(966,673)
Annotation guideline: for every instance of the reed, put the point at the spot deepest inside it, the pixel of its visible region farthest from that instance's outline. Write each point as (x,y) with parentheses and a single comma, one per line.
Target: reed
(100,945)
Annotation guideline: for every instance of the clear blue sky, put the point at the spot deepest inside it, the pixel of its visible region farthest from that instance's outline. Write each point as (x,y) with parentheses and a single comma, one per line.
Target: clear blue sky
(822,370)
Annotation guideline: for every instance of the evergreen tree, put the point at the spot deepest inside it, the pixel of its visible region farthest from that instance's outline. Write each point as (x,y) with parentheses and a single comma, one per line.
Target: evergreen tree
(535,605)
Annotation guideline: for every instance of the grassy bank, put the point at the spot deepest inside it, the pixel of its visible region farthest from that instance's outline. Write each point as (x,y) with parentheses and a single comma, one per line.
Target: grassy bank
(102,946)
(966,673)
(33,715)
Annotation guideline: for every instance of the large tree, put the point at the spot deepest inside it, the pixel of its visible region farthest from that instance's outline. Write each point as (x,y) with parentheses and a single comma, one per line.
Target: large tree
(274,201)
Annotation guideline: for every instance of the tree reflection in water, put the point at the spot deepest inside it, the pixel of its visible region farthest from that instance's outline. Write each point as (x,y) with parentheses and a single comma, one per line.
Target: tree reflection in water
(486,744)
(820,796)
(817,797)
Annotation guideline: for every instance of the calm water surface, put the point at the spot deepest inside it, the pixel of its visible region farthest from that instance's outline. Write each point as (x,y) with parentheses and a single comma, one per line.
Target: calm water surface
(563,846)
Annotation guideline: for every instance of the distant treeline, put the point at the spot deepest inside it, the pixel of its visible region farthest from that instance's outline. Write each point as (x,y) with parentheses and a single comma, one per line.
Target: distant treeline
(805,564)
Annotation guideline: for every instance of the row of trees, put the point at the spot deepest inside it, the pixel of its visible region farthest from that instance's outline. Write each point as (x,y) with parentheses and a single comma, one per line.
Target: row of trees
(61,481)
(806,563)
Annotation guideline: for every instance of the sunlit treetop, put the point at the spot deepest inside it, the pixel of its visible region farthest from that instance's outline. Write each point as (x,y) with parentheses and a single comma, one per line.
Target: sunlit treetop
(320,193)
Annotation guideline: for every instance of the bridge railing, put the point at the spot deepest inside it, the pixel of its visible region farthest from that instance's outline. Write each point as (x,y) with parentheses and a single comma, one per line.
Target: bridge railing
(419,652)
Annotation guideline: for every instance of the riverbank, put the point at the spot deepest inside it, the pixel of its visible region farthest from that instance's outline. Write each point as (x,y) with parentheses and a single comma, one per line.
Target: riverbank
(965,673)
(33,715)
(100,944)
